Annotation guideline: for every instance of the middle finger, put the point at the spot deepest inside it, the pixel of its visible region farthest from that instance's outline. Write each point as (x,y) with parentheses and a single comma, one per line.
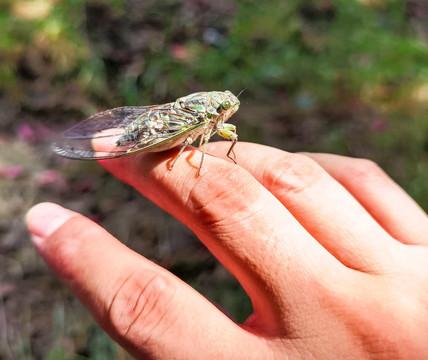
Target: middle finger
(323,206)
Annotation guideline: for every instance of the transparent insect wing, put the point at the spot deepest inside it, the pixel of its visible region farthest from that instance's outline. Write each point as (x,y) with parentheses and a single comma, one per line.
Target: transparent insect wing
(117,118)
(126,130)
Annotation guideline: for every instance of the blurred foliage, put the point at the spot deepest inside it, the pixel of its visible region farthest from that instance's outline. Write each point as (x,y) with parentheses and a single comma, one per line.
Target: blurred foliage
(342,76)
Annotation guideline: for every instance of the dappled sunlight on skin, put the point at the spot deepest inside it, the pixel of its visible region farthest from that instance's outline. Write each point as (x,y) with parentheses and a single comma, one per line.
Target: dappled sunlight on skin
(188,155)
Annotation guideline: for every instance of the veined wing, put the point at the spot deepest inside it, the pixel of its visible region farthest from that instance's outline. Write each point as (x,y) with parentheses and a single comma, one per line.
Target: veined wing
(126,130)
(117,118)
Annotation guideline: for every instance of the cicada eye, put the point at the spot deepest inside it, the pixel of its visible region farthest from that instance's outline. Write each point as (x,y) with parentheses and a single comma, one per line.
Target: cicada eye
(226,104)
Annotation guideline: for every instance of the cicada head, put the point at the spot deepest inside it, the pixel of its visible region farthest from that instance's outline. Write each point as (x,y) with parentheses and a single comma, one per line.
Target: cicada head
(223,104)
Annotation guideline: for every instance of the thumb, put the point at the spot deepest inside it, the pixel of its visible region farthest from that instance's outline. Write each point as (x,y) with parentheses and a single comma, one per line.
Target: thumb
(125,292)
(142,306)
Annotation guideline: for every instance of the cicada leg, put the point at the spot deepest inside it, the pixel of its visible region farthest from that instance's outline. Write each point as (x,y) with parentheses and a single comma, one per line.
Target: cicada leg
(234,141)
(187,142)
(228,132)
(205,138)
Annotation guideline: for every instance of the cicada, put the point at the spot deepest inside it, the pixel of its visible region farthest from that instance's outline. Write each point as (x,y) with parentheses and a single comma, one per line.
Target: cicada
(128,130)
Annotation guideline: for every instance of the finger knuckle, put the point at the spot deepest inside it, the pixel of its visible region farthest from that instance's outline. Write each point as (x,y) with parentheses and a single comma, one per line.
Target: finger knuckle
(209,206)
(363,171)
(140,306)
(293,173)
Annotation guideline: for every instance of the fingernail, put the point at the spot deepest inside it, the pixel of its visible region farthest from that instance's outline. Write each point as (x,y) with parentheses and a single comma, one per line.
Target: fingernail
(44,219)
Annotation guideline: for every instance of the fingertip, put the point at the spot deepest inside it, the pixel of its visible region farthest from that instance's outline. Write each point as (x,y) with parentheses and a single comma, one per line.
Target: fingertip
(44,219)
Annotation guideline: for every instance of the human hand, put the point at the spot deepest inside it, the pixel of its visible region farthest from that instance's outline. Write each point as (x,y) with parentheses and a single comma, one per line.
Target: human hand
(332,253)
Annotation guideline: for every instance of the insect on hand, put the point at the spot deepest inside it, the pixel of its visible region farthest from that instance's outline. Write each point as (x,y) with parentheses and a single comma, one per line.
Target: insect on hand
(130,129)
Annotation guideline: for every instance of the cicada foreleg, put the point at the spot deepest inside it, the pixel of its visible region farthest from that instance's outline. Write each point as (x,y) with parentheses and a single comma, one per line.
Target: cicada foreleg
(228,132)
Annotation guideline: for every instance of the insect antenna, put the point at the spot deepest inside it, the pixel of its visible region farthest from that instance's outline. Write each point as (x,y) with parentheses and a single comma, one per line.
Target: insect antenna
(241,92)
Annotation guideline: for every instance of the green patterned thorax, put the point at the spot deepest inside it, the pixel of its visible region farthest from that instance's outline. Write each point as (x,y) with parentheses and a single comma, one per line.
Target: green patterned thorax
(209,103)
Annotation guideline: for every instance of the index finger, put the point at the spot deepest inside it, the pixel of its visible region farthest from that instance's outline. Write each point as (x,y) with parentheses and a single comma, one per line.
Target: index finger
(239,221)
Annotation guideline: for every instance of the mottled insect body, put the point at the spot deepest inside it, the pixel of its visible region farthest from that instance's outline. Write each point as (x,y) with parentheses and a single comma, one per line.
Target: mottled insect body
(150,125)
(133,129)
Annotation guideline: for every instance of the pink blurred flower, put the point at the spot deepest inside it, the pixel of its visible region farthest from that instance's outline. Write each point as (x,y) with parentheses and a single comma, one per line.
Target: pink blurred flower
(179,52)
(33,133)
(48,177)
(379,125)
(11,171)
(26,133)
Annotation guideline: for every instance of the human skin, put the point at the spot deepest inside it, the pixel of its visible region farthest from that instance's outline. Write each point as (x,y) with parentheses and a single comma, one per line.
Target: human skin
(332,253)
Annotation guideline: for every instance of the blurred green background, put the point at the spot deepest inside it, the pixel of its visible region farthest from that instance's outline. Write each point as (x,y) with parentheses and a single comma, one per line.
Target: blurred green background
(346,77)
